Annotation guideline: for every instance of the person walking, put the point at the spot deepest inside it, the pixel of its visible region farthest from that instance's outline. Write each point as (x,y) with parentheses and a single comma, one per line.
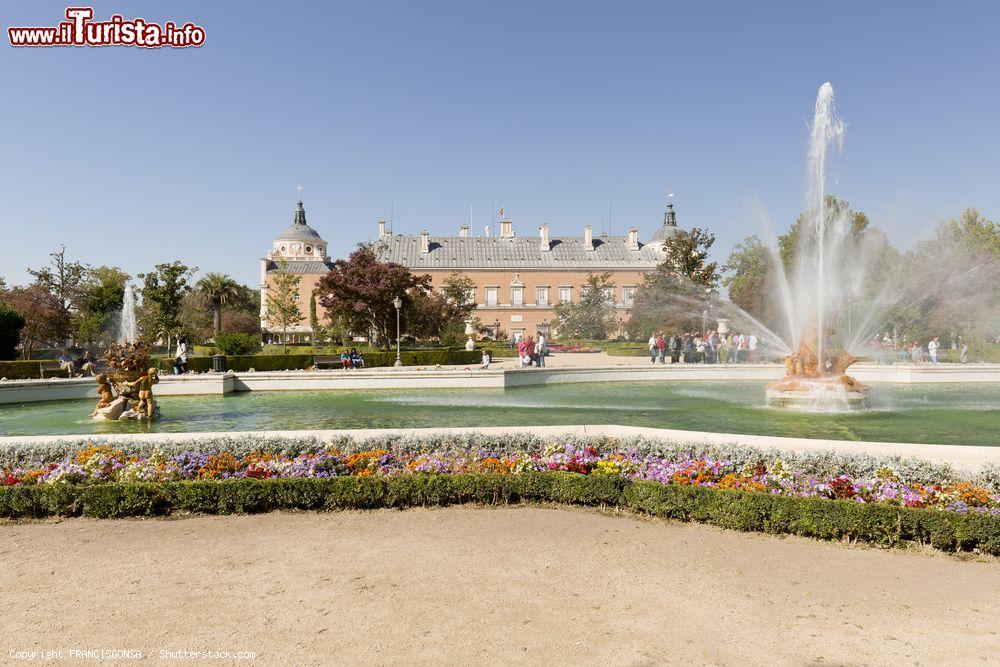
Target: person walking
(933,349)
(652,348)
(752,348)
(661,348)
(540,349)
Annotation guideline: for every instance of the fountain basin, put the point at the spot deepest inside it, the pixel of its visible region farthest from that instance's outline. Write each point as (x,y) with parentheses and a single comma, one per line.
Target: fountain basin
(833,394)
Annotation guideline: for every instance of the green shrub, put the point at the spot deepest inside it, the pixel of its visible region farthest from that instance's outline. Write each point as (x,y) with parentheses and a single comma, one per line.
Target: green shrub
(195,364)
(237,343)
(20,370)
(269,362)
(290,362)
(431,357)
(738,510)
(11,323)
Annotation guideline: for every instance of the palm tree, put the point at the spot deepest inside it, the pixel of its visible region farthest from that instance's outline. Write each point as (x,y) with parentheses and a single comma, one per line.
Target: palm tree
(217,289)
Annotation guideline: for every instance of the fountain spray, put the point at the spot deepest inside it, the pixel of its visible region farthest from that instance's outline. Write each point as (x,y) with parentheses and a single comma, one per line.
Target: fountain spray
(827,130)
(128,330)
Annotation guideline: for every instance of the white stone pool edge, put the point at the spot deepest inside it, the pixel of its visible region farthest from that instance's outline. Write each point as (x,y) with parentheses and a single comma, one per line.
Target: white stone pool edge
(219,384)
(969,457)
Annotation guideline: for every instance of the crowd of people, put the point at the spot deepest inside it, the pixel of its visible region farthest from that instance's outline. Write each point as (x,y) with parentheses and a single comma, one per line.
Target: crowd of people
(887,351)
(532,351)
(82,365)
(352,359)
(709,347)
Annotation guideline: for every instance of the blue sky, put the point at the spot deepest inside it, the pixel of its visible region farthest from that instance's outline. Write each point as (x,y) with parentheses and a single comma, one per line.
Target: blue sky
(550,109)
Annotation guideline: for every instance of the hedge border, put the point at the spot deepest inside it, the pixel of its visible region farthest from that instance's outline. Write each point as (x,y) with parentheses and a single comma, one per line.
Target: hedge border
(738,510)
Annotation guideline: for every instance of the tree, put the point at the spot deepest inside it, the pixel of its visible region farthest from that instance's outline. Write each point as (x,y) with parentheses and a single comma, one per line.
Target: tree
(314,325)
(675,295)
(218,289)
(283,300)
(750,281)
(951,283)
(64,281)
(42,315)
(163,291)
(358,294)
(11,324)
(442,314)
(100,301)
(790,243)
(593,317)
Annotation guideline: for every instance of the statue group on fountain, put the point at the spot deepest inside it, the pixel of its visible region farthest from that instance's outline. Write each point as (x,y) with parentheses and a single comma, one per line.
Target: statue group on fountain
(805,367)
(130,375)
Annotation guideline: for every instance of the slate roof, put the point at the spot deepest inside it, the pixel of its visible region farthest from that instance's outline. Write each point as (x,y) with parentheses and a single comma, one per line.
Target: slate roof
(520,252)
(300,267)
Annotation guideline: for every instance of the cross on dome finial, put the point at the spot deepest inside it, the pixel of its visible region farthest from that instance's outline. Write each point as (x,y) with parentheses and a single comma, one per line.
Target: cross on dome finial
(299,188)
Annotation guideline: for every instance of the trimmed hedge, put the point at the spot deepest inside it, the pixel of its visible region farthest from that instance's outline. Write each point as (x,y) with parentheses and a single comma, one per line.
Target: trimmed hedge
(738,510)
(292,362)
(20,370)
(444,357)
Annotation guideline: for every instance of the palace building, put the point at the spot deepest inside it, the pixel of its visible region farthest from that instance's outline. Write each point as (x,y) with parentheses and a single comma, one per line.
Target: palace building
(519,280)
(303,252)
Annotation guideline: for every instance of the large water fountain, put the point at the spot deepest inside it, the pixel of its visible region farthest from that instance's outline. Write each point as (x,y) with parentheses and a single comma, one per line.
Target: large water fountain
(814,299)
(129,374)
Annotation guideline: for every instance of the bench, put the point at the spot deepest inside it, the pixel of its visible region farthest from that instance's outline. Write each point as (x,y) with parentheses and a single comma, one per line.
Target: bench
(327,361)
(52,367)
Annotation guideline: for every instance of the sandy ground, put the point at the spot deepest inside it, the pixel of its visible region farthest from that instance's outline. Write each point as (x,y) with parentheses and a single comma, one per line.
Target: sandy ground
(465,585)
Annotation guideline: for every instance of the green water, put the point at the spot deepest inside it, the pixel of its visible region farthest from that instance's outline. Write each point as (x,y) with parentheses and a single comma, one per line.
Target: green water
(946,414)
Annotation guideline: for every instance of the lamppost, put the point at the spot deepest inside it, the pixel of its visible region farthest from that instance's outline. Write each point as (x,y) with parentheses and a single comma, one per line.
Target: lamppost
(399,304)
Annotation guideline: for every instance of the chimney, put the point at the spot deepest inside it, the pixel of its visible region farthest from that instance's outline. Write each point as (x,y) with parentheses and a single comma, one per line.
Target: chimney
(425,242)
(381,229)
(507,229)
(588,237)
(543,231)
(463,232)
(633,238)
(487,230)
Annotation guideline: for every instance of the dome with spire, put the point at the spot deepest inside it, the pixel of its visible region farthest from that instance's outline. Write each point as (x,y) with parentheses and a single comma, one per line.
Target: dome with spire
(299,240)
(668,228)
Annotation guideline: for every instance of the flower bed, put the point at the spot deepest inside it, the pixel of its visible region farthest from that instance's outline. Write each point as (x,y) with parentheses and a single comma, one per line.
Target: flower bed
(772,496)
(98,464)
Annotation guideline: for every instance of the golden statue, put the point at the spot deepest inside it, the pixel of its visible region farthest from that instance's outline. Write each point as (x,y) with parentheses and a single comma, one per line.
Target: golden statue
(104,389)
(803,365)
(145,384)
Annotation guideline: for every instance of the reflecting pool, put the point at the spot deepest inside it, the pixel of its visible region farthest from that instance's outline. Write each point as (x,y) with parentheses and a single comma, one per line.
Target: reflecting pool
(931,413)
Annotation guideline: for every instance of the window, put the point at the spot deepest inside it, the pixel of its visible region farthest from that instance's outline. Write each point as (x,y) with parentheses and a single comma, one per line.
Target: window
(565,294)
(609,294)
(628,294)
(470,295)
(309,249)
(491,296)
(542,296)
(517,295)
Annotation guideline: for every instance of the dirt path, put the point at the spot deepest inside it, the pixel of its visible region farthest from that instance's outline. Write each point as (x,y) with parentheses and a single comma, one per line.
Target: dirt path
(471,585)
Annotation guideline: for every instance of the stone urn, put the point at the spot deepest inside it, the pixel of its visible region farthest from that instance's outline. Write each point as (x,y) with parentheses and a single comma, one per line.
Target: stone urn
(470,331)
